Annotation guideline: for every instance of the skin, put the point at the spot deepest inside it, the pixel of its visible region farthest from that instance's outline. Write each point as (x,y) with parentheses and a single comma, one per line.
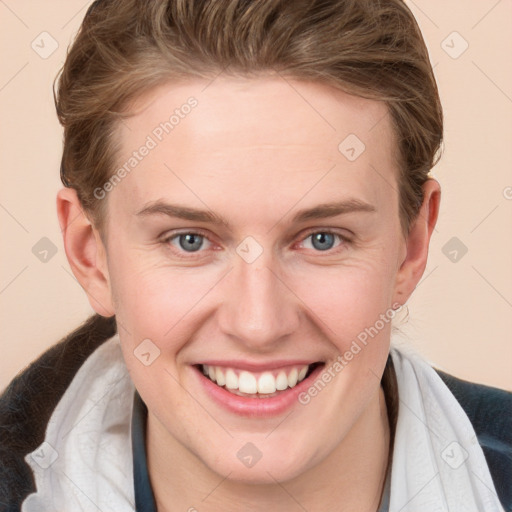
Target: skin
(256,151)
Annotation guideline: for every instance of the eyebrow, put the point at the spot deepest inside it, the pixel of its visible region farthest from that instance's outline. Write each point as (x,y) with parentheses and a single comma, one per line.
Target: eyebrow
(321,211)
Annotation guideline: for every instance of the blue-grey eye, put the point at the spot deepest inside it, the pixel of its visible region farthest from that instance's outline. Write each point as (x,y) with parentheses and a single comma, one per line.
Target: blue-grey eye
(191,242)
(322,241)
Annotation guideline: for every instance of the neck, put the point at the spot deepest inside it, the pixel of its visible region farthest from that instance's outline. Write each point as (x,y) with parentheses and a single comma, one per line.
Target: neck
(351,478)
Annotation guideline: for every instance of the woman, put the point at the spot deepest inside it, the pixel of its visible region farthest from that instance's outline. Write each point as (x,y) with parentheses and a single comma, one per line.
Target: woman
(247,205)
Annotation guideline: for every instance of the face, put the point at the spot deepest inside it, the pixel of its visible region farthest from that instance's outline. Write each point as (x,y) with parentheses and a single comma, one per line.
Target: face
(250,241)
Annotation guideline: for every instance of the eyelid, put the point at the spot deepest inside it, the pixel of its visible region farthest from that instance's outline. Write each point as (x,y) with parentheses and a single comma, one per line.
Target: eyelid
(332,231)
(184,231)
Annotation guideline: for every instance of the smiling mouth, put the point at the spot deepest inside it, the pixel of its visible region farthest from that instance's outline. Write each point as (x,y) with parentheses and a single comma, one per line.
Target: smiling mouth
(266,384)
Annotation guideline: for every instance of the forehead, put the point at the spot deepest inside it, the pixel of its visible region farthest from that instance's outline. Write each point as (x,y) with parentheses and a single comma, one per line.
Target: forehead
(226,103)
(279,132)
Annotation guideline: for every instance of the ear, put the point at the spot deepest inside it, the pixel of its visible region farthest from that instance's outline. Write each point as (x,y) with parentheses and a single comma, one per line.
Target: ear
(417,242)
(85,251)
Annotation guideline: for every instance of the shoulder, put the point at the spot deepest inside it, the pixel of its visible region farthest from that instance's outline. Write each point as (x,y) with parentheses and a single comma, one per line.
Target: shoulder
(28,402)
(490,411)
(488,408)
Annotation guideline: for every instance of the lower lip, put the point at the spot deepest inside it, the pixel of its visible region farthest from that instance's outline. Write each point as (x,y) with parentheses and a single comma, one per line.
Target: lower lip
(256,407)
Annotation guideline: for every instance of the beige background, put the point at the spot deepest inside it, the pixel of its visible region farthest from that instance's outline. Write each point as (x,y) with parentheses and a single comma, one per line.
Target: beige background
(460,314)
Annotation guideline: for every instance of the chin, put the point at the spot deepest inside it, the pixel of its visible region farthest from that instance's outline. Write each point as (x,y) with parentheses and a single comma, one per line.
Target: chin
(276,466)
(262,475)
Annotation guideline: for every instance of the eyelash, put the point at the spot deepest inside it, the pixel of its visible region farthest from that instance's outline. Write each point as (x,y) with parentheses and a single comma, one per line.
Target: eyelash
(191,255)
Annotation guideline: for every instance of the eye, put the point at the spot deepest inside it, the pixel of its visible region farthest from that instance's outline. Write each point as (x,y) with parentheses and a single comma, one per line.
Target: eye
(192,242)
(323,240)
(188,241)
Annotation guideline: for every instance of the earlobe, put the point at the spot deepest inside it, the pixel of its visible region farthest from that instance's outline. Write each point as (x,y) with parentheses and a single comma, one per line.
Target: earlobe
(417,243)
(85,252)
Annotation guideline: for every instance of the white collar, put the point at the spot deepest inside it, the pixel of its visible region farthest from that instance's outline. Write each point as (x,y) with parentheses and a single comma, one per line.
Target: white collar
(85,462)
(438,464)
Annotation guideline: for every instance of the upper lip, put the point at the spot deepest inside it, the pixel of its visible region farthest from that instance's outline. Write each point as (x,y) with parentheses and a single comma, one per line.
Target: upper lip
(258,366)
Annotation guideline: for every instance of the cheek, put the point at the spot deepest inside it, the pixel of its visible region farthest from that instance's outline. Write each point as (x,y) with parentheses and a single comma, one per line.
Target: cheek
(156,301)
(346,298)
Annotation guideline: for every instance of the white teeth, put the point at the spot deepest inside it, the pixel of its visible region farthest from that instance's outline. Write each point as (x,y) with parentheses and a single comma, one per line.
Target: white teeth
(281,381)
(231,379)
(292,377)
(265,383)
(219,377)
(247,383)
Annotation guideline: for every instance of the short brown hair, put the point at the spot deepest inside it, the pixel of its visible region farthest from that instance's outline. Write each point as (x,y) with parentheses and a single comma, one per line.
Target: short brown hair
(368,48)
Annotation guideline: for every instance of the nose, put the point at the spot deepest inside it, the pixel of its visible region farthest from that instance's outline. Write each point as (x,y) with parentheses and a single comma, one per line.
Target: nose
(258,309)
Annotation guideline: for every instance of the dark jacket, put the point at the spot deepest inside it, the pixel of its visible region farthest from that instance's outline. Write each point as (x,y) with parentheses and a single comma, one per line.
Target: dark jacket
(28,402)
